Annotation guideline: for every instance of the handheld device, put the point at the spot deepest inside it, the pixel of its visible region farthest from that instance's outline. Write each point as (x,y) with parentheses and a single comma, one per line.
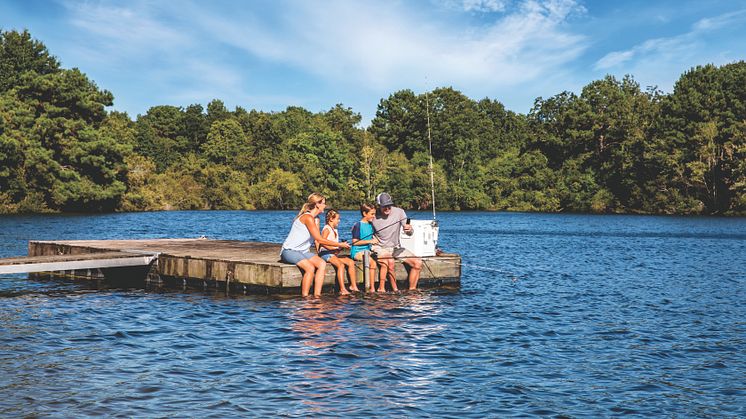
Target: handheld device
(408,220)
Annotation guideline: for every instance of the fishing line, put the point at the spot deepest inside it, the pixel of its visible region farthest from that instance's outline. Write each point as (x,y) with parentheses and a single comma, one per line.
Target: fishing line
(513,276)
(483,268)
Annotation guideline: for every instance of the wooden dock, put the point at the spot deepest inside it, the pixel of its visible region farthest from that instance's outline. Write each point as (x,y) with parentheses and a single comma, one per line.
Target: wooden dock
(235,266)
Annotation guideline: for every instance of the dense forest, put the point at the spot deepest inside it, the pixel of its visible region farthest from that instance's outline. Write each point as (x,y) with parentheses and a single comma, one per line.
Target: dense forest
(614,148)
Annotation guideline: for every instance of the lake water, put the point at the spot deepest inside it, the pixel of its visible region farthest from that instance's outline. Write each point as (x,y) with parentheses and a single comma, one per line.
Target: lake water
(567,315)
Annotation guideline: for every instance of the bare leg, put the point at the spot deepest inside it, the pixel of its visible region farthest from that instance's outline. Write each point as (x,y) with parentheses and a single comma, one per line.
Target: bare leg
(308,270)
(318,280)
(383,268)
(340,268)
(392,275)
(351,272)
(415,267)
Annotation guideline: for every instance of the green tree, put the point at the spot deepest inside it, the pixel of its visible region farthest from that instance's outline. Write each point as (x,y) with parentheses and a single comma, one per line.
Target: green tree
(266,144)
(698,142)
(321,158)
(619,116)
(140,177)
(160,135)
(518,181)
(19,53)
(279,190)
(226,142)
(66,160)
(216,111)
(194,127)
(400,123)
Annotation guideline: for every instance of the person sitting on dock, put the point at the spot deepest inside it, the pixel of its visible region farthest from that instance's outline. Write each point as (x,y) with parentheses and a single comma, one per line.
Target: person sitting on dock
(330,254)
(297,245)
(388,224)
(363,239)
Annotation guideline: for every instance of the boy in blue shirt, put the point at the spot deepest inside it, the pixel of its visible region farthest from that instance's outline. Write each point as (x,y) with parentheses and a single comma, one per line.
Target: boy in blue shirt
(363,238)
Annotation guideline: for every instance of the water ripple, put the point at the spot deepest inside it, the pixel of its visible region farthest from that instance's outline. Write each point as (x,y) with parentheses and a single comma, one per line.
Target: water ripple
(578,316)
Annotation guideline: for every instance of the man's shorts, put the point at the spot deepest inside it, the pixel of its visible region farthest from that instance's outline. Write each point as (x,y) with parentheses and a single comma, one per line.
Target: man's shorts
(389,252)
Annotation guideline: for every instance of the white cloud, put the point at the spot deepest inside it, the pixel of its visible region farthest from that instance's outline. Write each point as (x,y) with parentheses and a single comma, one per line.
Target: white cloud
(193,51)
(613,59)
(676,47)
(384,45)
(127,28)
(484,6)
(138,46)
(718,22)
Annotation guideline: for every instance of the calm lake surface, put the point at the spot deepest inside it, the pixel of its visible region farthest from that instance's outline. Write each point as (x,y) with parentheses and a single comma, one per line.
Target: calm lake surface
(568,315)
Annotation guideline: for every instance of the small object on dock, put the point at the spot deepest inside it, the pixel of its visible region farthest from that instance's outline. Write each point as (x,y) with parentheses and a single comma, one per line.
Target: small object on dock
(231,265)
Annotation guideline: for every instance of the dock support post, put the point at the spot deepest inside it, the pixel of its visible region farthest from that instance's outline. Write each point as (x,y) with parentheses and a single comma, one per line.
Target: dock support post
(366,265)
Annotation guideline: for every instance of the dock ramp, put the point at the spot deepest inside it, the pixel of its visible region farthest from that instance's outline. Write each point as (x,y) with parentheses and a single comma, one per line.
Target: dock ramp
(52,263)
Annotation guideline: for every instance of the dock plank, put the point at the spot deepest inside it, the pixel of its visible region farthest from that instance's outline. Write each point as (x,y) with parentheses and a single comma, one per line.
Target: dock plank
(31,264)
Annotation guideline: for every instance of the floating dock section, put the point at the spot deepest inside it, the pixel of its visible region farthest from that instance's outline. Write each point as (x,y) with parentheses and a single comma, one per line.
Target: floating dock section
(233,266)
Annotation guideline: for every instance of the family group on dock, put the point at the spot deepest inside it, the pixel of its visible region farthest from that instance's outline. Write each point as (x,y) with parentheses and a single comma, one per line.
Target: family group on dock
(377,232)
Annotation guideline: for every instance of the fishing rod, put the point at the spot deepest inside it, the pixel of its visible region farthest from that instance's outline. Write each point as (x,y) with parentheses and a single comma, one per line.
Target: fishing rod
(430,144)
(385,227)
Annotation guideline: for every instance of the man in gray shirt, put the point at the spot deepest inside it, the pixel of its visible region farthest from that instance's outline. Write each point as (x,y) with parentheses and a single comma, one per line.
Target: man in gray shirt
(387,227)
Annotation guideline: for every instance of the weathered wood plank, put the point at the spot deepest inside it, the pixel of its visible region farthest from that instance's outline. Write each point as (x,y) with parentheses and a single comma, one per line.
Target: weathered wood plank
(51,263)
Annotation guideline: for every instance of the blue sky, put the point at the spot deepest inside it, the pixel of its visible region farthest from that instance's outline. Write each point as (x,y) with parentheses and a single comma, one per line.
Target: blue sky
(268,55)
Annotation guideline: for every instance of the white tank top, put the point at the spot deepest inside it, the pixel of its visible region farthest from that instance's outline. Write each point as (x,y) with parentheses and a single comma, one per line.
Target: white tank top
(299,238)
(333,235)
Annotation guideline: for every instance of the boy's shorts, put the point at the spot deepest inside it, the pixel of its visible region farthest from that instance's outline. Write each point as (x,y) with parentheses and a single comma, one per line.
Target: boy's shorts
(388,252)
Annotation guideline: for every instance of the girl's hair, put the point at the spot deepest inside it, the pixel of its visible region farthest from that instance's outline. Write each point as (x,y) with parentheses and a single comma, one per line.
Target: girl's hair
(331,214)
(365,207)
(313,200)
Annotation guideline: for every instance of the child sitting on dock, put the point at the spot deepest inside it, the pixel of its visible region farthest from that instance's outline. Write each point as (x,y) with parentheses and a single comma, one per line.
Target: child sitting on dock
(330,254)
(296,248)
(363,238)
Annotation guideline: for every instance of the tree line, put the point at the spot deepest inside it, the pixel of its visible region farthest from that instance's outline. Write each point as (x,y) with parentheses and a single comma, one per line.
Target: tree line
(612,148)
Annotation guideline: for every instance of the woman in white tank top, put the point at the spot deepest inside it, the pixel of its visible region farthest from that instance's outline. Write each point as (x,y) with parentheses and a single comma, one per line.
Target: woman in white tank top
(297,245)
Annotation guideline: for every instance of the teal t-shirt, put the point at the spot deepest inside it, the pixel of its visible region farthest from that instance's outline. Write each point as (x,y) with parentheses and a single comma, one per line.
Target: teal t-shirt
(361,231)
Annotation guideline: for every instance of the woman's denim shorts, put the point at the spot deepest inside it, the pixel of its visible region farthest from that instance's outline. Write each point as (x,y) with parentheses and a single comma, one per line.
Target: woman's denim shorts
(294,256)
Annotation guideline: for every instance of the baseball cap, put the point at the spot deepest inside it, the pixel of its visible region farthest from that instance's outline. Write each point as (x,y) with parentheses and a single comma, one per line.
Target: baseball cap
(384,200)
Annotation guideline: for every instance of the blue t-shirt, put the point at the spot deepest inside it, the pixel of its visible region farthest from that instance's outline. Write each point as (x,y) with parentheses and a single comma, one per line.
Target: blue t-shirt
(361,231)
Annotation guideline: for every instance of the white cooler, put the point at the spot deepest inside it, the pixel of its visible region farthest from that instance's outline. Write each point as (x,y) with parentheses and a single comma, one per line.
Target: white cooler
(424,240)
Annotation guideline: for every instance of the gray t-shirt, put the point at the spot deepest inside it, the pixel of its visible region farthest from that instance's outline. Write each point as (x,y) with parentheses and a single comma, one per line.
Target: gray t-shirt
(387,229)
